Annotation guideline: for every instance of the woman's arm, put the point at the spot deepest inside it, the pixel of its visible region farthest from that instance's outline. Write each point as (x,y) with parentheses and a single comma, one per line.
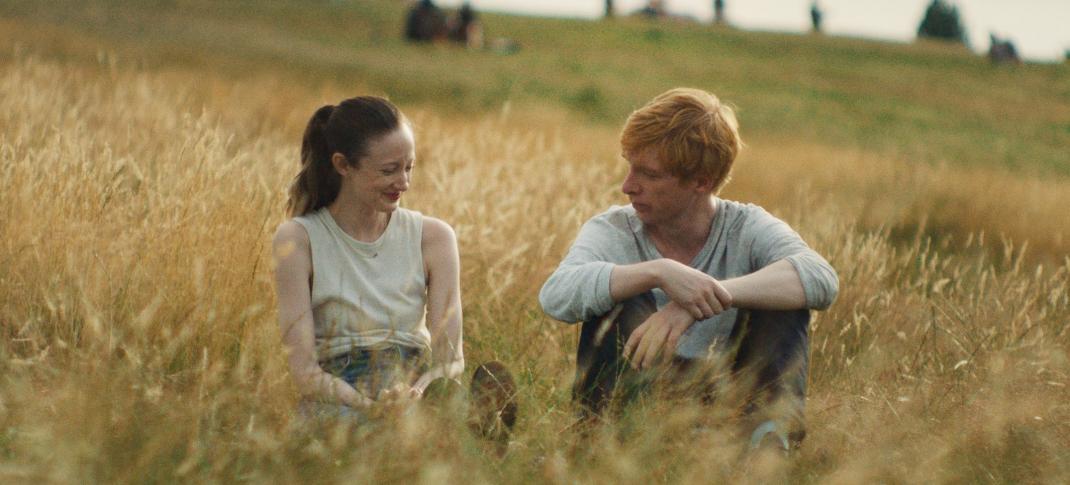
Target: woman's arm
(293,270)
(444,319)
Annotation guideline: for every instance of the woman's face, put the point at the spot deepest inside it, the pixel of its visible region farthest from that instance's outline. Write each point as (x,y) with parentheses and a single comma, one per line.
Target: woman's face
(384,173)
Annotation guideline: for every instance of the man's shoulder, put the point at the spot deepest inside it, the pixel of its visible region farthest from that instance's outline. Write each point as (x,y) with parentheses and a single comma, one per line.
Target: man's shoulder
(738,214)
(611,235)
(616,214)
(737,207)
(616,219)
(618,223)
(748,221)
(751,223)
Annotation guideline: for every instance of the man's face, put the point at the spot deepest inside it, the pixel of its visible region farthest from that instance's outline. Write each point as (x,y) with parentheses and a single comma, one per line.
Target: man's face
(657,195)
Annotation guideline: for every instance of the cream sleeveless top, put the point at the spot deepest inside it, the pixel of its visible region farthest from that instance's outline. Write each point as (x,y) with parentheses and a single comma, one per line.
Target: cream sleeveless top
(367,295)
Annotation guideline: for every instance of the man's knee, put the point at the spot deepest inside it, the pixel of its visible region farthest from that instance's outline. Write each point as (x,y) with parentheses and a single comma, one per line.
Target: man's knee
(599,364)
(771,364)
(774,342)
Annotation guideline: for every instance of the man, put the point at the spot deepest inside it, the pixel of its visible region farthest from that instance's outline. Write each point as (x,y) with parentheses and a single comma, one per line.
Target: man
(815,17)
(682,274)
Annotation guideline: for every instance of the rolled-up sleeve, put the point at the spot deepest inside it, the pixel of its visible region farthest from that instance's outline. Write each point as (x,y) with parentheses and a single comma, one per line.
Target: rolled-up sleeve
(773,240)
(819,279)
(579,288)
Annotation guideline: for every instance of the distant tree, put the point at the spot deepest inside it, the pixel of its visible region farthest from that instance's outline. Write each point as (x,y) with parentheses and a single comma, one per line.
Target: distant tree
(609,8)
(941,21)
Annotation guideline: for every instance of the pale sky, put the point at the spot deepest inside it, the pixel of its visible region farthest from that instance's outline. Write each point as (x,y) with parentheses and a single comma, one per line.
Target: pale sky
(1040,29)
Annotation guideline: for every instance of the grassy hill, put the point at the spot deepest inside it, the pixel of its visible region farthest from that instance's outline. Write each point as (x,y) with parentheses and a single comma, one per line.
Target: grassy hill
(922,102)
(145,149)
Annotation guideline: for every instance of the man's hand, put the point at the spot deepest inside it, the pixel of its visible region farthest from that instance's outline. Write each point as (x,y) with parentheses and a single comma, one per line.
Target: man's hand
(698,293)
(659,334)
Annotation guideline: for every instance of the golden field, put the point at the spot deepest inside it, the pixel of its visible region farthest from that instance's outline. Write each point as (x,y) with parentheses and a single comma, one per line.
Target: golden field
(139,340)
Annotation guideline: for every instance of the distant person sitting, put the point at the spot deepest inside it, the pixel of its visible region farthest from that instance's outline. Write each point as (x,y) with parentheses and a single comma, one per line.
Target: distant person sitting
(425,23)
(1002,51)
(653,9)
(466,28)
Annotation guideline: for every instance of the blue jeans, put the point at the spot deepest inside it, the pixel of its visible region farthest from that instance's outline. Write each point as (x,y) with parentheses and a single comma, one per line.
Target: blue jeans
(369,371)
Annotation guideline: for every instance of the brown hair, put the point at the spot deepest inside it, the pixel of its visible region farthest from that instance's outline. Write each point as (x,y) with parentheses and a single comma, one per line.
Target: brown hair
(694,133)
(347,128)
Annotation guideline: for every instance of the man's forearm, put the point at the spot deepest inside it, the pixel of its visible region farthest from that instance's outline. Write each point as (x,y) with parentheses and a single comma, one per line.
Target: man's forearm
(628,280)
(774,287)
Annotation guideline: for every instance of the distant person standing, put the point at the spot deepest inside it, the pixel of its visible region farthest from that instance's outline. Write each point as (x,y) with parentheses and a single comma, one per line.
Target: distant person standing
(466,27)
(718,12)
(815,17)
(1002,51)
(425,23)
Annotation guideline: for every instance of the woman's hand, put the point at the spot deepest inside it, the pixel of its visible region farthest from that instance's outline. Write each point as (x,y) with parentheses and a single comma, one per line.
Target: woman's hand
(357,400)
(399,394)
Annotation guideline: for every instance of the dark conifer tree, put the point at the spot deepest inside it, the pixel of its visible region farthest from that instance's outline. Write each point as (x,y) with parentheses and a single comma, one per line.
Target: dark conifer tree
(941,21)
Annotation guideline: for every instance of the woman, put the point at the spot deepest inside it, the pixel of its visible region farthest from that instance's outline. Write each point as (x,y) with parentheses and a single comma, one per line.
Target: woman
(357,274)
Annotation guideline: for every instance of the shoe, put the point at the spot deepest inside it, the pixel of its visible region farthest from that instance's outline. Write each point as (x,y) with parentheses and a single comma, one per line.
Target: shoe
(493,407)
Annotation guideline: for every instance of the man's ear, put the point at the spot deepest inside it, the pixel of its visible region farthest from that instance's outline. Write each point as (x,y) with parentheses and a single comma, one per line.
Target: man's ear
(704,184)
(340,164)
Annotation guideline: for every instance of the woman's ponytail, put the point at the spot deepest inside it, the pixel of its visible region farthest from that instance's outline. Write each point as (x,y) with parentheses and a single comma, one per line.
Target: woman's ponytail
(317,179)
(346,129)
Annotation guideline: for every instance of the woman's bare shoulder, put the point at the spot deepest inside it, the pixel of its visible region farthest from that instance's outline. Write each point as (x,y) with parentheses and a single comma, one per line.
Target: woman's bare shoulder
(437,230)
(437,233)
(291,232)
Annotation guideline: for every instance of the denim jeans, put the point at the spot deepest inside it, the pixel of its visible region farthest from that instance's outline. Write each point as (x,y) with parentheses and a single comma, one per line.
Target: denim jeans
(369,371)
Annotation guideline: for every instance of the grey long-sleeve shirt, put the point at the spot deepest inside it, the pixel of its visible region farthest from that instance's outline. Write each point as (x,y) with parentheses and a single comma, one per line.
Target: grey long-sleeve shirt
(743,239)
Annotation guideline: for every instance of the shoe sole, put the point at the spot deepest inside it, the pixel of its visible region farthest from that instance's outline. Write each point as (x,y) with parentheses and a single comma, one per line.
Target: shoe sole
(493,401)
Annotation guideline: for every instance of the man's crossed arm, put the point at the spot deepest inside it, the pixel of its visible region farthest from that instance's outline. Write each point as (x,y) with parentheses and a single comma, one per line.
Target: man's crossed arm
(696,295)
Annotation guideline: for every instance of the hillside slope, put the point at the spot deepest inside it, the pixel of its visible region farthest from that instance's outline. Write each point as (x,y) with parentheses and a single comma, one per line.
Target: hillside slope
(923,102)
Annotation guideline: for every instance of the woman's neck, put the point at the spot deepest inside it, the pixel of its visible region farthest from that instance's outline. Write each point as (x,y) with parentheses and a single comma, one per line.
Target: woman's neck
(358,221)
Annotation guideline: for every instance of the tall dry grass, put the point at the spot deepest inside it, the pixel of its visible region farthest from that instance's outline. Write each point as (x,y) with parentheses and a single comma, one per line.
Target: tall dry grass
(140,344)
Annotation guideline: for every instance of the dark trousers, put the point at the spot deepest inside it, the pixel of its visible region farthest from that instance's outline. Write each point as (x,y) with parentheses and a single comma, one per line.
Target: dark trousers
(768,363)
